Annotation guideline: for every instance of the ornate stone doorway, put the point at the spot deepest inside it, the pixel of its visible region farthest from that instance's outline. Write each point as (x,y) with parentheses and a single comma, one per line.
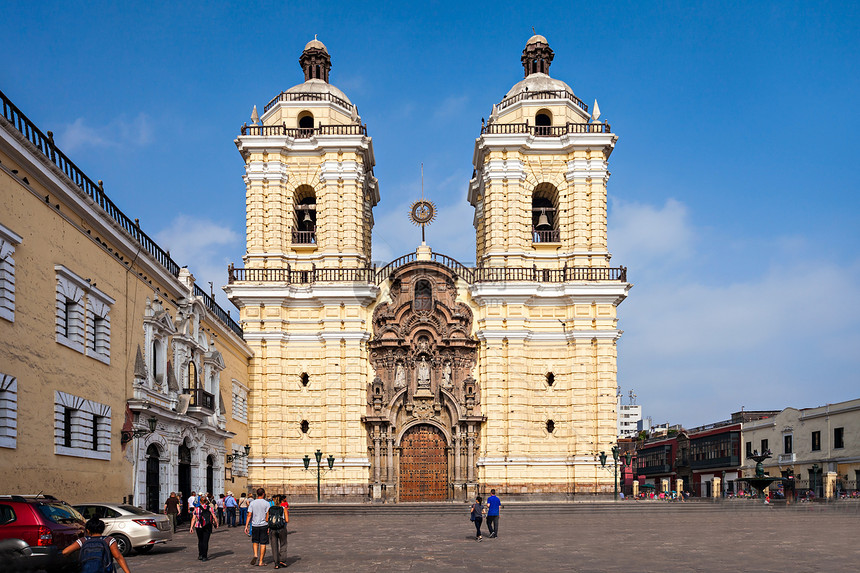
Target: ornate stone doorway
(423,464)
(423,354)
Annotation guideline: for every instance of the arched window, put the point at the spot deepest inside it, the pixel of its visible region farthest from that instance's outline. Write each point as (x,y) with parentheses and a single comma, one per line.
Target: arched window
(192,375)
(543,122)
(157,362)
(305,221)
(545,214)
(423,296)
(306,120)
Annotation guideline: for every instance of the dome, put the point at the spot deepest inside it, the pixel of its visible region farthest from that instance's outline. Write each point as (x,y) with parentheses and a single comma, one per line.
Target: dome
(537,38)
(538,83)
(318,86)
(317,44)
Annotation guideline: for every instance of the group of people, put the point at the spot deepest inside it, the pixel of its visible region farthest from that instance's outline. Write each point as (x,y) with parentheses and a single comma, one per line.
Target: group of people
(265,521)
(229,510)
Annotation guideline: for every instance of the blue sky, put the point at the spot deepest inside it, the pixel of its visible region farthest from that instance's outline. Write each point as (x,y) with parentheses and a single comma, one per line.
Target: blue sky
(733,200)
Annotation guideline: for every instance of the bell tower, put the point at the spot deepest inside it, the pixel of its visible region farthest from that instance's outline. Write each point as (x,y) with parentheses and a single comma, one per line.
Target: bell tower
(545,292)
(307,284)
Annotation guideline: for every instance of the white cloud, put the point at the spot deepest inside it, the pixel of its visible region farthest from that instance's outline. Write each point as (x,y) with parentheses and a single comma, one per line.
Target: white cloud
(119,132)
(450,107)
(206,247)
(704,339)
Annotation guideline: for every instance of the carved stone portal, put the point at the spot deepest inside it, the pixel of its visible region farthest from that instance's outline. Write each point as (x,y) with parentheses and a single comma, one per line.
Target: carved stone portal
(423,355)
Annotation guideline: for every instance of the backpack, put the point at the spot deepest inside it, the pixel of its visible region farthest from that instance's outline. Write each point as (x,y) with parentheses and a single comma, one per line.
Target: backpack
(204,518)
(276,517)
(95,556)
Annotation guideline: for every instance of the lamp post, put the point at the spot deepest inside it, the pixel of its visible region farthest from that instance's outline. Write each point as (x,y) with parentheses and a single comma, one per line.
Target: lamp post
(319,470)
(231,457)
(615,456)
(128,435)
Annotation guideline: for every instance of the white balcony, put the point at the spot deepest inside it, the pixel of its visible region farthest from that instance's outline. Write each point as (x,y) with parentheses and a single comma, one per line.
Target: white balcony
(786,458)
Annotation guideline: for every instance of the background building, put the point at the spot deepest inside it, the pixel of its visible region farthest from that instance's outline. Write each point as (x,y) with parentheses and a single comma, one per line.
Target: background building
(115,368)
(629,416)
(425,378)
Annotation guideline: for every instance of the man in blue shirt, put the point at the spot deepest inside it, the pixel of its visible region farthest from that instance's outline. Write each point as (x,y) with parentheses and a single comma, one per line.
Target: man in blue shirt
(493,505)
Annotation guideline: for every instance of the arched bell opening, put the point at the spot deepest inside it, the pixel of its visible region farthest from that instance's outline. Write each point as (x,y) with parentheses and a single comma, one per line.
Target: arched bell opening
(545,228)
(305,216)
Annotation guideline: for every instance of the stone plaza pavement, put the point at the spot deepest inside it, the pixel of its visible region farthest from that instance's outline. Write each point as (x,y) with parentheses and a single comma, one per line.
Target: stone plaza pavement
(587,537)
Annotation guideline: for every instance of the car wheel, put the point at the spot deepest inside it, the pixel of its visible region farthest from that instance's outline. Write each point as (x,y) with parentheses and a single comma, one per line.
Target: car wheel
(122,543)
(144,548)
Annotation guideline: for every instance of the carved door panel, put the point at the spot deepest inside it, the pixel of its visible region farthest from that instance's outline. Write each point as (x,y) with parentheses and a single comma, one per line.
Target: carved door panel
(423,465)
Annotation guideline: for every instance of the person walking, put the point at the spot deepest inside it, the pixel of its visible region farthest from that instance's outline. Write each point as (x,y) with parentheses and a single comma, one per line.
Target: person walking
(477,516)
(230,506)
(192,503)
(493,505)
(202,521)
(97,552)
(243,508)
(278,517)
(171,509)
(220,505)
(257,511)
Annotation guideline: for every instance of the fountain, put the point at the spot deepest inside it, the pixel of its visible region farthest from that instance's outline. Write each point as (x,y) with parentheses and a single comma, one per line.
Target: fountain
(761,481)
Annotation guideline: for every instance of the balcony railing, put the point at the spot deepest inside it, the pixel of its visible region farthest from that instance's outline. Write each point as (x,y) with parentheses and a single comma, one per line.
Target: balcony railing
(470,275)
(304,132)
(288,96)
(544,130)
(304,237)
(786,458)
(220,313)
(547,94)
(546,235)
(200,399)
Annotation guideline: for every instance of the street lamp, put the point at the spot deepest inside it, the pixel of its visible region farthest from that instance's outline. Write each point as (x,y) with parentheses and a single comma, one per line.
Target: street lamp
(231,457)
(625,461)
(319,470)
(128,435)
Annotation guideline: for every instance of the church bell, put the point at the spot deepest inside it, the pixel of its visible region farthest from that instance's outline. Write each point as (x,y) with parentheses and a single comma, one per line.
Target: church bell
(543,222)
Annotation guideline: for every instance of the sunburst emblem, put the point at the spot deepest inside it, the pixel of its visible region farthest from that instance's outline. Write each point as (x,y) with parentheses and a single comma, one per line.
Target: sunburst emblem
(422,212)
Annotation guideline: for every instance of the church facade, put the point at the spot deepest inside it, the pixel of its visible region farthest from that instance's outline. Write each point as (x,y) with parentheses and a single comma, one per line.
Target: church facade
(425,379)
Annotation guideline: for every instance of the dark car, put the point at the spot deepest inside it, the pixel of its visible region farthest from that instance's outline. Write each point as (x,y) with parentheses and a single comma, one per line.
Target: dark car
(34,530)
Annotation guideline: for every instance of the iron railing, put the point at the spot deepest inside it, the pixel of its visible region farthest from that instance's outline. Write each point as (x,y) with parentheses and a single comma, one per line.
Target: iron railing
(304,237)
(45,144)
(304,132)
(220,313)
(200,398)
(546,94)
(544,130)
(470,275)
(546,235)
(310,96)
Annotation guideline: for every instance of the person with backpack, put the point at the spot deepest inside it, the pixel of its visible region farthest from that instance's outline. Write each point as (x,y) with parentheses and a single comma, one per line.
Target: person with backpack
(97,552)
(202,522)
(278,517)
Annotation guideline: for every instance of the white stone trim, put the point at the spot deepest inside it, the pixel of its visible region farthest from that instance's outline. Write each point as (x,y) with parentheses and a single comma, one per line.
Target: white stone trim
(82,414)
(71,308)
(8,241)
(98,325)
(239,404)
(538,461)
(8,411)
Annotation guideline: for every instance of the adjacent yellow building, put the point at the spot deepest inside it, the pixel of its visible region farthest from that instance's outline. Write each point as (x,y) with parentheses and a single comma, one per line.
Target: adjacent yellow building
(119,378)
(427,379)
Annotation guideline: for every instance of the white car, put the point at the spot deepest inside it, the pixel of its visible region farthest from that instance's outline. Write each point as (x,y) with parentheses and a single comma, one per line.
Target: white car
(131,526)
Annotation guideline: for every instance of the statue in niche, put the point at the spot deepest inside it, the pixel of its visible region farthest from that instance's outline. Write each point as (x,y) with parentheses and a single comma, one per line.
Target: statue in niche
(399,376)
(423,373)
(446,375)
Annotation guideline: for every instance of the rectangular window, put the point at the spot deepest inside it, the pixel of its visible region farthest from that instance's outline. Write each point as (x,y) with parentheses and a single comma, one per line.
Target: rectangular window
(764,447)
(816,441)
(8,242)
(81,427)
(8,411)
(749,449)
(239,402)
(786,443)
(838,438)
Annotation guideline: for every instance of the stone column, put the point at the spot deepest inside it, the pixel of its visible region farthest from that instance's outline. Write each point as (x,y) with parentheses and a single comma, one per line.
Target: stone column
(664,485)
(830,485)
(377,469)
(635,489)
(716,490)
(390,473)
(458,471)
(470,454)
(679,487)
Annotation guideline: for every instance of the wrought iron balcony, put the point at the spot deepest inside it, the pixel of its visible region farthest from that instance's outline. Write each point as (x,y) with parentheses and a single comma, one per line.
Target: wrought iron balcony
(544,130)
(200,400)
(304,132)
